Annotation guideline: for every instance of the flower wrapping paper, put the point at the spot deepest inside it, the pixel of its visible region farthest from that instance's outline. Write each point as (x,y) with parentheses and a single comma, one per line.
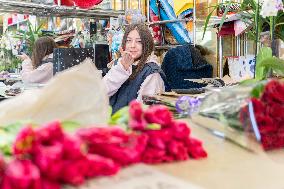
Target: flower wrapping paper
(74,94)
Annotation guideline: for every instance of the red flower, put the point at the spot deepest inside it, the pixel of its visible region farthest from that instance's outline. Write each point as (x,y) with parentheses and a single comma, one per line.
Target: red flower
(258,106)
(165,135)
(99,165)
(111,135)
(275,110)
(49,132)
(120,146)
(153,155)
(137,124)
(274,92)
(24,141)
(73,171)
(158,114)
(2,165)
(263,120)
(135,110)
(48,184)
(48,159)
(197,152)
(178,150)
(21,174)
(73,147)
(180,130)
(270,141)
(195,149)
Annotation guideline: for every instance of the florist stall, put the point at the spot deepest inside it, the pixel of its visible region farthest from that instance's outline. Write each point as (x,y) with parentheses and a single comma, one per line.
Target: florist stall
(69,132)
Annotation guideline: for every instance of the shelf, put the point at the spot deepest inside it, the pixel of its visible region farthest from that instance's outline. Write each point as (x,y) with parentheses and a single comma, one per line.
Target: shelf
(170,21)
(54,10)
(165,47)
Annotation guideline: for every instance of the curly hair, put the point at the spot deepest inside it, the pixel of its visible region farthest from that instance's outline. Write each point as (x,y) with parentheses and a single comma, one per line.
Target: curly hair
(147,45)
(42,47)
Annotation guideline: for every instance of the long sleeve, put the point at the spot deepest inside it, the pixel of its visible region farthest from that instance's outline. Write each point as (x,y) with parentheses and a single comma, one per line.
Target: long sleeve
(153,84)
(116,76)
(40,75)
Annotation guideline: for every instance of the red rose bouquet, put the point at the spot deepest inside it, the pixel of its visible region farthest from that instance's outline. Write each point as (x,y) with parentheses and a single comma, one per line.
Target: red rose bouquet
(267,117)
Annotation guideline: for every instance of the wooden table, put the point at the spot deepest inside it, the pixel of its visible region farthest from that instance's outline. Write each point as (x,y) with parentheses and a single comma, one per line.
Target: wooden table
(228,166)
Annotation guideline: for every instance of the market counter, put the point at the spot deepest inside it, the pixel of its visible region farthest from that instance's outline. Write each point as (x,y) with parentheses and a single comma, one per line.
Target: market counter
(229,166)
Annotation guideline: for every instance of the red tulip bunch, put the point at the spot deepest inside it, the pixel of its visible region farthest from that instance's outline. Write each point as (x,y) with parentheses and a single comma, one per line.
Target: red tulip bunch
(268,111)
(47,157)
(170,141)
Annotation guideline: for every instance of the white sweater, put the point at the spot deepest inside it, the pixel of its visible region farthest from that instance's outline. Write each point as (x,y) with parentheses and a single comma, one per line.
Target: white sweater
(117,75)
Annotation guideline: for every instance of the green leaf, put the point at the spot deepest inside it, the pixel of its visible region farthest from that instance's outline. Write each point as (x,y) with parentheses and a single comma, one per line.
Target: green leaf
(70,126)
(276,64)
(154,126)
(224,16)
(257,90)
(207,21)
(120,117)
(261,72)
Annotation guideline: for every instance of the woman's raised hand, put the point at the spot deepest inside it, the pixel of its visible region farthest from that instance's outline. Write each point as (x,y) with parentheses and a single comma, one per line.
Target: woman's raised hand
(126,59)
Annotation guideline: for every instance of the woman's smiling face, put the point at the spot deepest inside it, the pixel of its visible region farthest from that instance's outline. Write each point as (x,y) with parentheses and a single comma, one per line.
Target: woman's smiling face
(134,45)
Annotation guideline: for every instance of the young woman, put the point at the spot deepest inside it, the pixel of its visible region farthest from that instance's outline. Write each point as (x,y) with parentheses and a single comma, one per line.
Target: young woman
(137,72)
(39,69)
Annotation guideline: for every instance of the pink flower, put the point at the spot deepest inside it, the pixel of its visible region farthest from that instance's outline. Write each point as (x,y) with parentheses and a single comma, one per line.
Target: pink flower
(21,174)
(73,147)
(135,110)
(24,141)
(74,171)
(50,132)
(99,165)
(158,114)
(48,159)
(153,155)
(180,130)
(178,150)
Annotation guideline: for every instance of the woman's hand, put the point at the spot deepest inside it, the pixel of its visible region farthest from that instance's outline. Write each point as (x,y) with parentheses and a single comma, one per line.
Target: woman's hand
(23,57)
(126,60)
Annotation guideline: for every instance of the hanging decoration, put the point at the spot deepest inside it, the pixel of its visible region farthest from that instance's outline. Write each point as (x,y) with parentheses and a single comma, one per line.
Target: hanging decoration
(65,2)
(87,4)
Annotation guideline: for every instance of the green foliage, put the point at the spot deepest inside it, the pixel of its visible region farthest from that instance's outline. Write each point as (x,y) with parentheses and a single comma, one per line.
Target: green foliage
(30,36)
(257,90)
(249,10)
(266,63)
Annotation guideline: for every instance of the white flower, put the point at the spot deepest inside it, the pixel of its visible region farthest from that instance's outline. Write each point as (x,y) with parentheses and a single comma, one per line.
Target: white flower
(271,7)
